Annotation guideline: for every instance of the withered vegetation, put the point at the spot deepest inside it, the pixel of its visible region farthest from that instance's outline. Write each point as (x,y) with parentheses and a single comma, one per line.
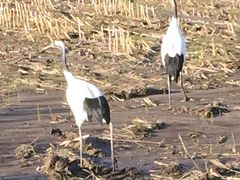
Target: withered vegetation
(123,36)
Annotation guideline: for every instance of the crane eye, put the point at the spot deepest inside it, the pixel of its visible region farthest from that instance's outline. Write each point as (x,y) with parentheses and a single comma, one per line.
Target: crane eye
(66,50)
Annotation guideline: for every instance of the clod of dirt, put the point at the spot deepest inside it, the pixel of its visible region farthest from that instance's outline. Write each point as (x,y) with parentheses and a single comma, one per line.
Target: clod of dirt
(160,125)
(173,149)
(213,110)
(97,147)
(53,175)
(234,165)
(70,135)
(140,128)
(69,139)
(195,135)
(174,169)
(92,146)
(60,119)
(222,139)
(198,175)
(221,168)
(128,94)
(181,110)
(24,153)
(58,168)
(50,161)
(55,166)
(129,173)
(57,133)
(61,164)
(73,35)
(153,91)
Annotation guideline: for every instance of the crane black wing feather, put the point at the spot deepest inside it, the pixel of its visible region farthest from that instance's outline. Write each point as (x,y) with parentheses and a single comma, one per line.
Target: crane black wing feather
(174,65)
(97,109)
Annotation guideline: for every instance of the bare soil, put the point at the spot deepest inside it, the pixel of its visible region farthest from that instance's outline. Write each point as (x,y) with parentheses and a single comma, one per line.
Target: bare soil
(20,124)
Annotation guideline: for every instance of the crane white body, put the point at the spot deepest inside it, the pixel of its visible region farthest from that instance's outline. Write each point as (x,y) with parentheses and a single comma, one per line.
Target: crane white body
(77,91)
(173,41)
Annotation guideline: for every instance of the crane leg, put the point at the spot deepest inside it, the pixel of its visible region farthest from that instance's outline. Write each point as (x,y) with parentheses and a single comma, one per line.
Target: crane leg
(183,90)
(80,141)
(112,152)
(169,94)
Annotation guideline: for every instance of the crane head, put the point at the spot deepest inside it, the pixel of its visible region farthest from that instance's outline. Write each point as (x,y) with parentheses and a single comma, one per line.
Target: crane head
(57,44)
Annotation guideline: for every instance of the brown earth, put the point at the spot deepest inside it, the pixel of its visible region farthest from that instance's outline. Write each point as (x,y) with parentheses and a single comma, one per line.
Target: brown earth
(21,124)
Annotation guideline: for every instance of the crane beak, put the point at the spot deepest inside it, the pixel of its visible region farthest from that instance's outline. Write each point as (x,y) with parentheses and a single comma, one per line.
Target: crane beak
(47,47)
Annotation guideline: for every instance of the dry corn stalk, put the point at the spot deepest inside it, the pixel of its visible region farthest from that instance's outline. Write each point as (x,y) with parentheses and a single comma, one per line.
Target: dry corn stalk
(119,40)
(125,8)
(36,16)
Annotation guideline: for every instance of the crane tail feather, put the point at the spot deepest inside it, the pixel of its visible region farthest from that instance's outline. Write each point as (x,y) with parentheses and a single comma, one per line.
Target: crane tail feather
(174,66)
(97,109)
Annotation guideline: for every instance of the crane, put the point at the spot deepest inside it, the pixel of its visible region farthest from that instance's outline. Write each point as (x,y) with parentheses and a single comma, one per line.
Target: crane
(86,101)
(173,53)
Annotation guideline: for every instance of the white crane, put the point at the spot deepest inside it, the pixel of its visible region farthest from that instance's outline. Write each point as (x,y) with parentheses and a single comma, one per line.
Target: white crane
(85,100)
(173,53)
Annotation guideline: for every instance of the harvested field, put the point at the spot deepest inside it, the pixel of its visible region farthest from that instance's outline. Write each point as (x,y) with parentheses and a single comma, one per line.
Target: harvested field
(115,44)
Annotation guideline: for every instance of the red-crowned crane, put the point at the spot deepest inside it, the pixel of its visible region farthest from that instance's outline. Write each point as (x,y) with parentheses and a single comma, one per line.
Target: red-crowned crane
(173,53)
(86,101)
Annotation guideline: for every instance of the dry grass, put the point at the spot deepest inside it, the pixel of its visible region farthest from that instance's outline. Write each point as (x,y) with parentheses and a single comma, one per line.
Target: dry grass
(127,33)
(217,20)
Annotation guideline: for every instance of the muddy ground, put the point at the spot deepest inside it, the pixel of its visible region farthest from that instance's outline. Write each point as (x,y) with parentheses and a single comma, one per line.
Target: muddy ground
(195,140)
(21,124)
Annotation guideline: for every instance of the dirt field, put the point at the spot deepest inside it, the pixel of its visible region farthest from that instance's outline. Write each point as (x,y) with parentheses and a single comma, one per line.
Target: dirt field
(118,49)
(20,124)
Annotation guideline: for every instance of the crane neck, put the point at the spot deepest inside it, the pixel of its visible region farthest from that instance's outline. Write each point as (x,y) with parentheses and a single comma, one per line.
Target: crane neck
(64,60)
(174,8)
(174,22)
